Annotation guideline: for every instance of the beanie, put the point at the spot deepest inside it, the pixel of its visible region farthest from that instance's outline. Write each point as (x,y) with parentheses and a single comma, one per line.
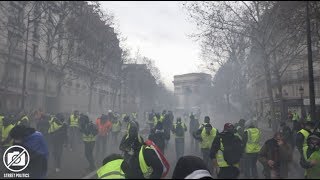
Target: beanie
(191,167)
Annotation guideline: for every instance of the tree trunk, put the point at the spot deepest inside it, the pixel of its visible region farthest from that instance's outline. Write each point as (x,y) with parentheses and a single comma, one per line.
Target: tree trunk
(269,91)
(44,96)
(90,97)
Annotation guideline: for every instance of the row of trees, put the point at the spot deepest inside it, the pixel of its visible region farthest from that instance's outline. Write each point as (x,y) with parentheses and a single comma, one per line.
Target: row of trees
(68,40)
(250,41)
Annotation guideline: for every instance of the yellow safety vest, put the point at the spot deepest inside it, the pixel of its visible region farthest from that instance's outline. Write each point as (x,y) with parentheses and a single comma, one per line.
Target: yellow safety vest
(207,139)
(220,158)
(5,134)
(146,170)
(314,172)
(53,126)
(308,117)
(111,170)
(183,127)
(1,122)
(88,138)
(116,127)
(134,115)
(156,120)
(295,117)
(24,118)
(306,134)
(139,138)
(254,136)
(74,122)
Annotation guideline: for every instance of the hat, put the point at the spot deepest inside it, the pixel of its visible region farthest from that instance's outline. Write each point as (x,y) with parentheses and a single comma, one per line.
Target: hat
(228,127)
(191,167)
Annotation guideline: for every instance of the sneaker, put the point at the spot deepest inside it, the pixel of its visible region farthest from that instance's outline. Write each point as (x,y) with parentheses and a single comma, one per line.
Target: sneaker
(57,169)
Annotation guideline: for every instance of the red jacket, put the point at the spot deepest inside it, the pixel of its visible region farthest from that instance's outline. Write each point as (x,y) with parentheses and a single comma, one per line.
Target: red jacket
(103,128)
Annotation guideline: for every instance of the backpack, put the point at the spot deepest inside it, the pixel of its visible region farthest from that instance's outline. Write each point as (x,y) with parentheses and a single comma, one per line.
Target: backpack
(233,149)
(179,130)
(164,161)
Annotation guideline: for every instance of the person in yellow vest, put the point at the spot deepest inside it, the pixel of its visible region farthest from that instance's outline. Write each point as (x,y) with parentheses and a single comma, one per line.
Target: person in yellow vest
(179,130)
(302,136)
(311,157)
(295,121)
(308,117)
(206,134)
(140,161)
(130,139)
(115,129)
(226,152)
(74,129)
(89,133)
(57,133)
(251,141)
(6,140)
(111,168)
(157,118)
(24,120)
(134,116)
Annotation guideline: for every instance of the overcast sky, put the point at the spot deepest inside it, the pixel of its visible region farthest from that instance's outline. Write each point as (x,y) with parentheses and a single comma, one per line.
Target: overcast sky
(159,30)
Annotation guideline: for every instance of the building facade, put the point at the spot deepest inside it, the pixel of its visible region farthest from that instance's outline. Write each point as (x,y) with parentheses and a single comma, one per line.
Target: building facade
(192,92)
(67,85)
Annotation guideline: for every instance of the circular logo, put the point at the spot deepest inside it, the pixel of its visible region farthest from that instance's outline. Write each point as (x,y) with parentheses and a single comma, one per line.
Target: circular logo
(16,158)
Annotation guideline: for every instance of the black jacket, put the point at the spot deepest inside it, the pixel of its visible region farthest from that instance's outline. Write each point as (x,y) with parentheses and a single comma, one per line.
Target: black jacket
(158,137)
(131,166)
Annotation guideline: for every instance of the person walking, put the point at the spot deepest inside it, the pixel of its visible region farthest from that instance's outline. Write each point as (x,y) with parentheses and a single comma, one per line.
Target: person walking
(157,135)
(206,134)
(275,156)
(302,136)
(104,126)
(251,141)
(226,152)
(115,129)
(74,129)
(311,157)
(89,132)
(179,130)
(193,127)
(57,132)
(36,146)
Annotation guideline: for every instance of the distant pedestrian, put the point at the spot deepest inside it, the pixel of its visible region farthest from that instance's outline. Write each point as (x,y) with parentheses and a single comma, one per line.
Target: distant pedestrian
(193,127)
(89,132)
(179,130)
(57,133)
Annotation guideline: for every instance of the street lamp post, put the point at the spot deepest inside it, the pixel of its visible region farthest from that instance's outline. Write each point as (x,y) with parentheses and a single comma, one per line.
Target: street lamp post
(301,90)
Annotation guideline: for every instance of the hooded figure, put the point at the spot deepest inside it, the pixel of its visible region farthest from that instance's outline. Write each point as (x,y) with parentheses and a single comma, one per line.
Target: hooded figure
(34,143)
(191,167)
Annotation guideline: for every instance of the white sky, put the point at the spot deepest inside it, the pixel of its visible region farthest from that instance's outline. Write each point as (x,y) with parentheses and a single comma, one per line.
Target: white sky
(159,30)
